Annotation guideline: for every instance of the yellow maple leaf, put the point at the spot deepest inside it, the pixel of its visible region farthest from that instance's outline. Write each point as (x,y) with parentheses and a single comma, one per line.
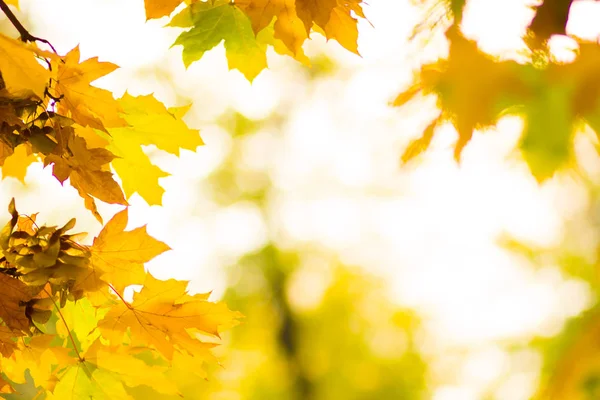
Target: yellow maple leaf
(163,315)
(288,27)
(85,104)
(118,256)
(39,358)
(16,164)
(84,381)
(87,170)
(151,123)
(294,19)
(131,370)
(160,8)
(23,75)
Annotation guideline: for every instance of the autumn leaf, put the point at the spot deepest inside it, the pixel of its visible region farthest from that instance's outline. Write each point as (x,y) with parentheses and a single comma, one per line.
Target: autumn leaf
(15,295)
(160,8)
(8,343)
(85,104)
(222,22)
(151,123)
(118,256)
(132,371)
(88,173)
(421,144)
(164,315)
(40,358)
(22,73)
(472,88)
(83,381)
(16,164)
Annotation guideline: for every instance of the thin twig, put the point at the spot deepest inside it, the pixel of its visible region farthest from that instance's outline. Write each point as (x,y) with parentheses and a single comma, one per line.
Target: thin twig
(25,35)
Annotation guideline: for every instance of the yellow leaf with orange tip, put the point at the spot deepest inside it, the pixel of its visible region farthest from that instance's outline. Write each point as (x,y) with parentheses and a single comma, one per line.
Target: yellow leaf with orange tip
(17,163)
(290,23)
(343,27)
(160,8)
(289,28)
(162,314)
(22,73)
(119,255)
(85,104)
(294,19)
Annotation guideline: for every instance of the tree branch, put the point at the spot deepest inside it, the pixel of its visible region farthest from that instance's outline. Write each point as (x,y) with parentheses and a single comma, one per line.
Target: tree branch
(25,35)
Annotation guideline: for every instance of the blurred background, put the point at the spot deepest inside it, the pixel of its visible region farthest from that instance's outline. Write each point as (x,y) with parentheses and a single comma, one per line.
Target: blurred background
(359,278)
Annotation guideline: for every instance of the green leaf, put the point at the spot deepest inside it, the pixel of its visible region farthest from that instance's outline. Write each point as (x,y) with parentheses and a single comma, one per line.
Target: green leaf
(212,25)
(549,127)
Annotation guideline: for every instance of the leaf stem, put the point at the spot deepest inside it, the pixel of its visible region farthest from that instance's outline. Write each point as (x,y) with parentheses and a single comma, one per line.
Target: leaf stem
(25,35)
(65,323)
(119,294)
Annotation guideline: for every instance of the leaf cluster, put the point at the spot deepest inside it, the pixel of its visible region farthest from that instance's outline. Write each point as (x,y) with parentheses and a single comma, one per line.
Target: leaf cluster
(475,89)
(50,111)
(249,27)
(65,320)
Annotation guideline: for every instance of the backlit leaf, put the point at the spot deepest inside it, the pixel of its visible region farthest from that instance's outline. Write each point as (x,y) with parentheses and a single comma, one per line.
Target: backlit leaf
(21,71)
(119,255)
(223,22)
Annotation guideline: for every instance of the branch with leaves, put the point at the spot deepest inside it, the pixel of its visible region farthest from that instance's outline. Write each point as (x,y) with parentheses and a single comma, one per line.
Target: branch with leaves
(474,90)
(67,329)
(64,301)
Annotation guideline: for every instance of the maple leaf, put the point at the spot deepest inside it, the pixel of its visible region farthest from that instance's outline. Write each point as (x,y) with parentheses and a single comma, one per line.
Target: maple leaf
(15,295)
(83,381)
(22,73)
(163,315)
(16,164)
(294,20)
(222,22)
(85,104)
(151,123)
(547,139)
(118,256)
(40,358)
(132,371)
(472,89)
(8,343)
(160,8)
(87,170)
